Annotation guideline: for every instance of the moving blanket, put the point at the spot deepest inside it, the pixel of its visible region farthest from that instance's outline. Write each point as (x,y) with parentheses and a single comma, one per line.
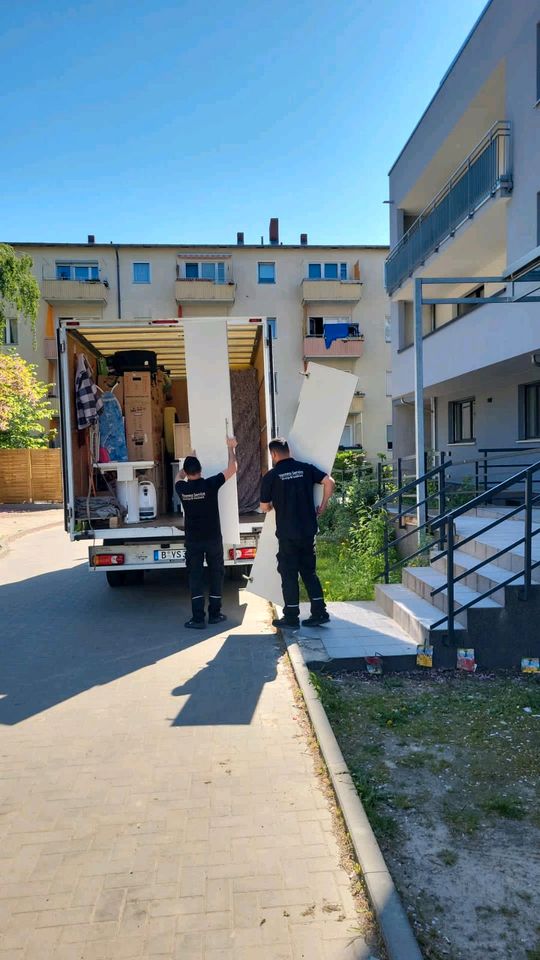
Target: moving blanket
(246,423)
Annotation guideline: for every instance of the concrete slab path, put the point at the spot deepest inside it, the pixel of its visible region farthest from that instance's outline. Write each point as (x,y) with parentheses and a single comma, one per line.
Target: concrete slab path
(158,796)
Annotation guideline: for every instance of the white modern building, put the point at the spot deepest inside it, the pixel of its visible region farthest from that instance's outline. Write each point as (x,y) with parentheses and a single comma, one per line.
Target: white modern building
(465,202)
(304,289)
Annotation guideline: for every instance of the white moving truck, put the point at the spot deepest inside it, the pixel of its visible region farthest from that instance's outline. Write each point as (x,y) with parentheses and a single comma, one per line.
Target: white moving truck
(198,359)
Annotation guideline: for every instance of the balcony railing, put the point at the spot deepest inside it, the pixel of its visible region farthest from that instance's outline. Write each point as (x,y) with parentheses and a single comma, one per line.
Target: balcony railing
(486,170)
(205,291)
(332,291)
(73,291)
(315,348)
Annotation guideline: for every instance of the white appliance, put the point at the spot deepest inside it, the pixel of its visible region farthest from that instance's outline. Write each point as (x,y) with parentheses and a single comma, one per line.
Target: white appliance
(147,500)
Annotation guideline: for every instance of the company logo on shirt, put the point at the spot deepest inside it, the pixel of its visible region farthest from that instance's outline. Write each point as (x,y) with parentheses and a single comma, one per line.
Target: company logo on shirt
(194,496)
(292,475)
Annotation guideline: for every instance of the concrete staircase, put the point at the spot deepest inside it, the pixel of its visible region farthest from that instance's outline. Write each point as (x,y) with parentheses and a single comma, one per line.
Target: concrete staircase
(501,628)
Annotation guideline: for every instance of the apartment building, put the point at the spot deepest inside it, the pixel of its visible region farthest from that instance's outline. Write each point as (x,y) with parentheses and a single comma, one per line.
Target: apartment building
(305,290)
(465,202)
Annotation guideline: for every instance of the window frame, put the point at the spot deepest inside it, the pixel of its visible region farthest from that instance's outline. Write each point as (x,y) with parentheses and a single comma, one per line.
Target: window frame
(453,407)
(218,265)
(325,320)
(523,426)
(266,263)
(141,263)
(73,266)
(12,324)
(342,270)
(271,325)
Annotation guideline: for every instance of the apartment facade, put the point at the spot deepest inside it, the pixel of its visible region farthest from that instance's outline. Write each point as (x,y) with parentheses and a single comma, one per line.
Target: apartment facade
(304,289)
(465,202)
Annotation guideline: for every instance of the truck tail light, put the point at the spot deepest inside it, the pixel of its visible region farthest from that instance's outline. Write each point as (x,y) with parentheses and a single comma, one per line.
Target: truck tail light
(242,553)
(108,559)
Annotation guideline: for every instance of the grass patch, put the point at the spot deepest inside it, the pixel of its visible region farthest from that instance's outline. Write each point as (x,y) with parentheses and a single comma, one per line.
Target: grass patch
(448,857)
(509,807)
(340,580)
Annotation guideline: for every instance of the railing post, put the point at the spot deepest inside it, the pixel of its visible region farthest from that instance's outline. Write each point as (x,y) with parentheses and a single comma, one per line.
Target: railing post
(379,480)
(400,496)
(476,479)
(450,579)
(386,550)
(528,534)
(485,472)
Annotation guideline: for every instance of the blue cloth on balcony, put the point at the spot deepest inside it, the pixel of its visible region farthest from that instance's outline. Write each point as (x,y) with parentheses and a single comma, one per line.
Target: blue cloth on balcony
(335,331)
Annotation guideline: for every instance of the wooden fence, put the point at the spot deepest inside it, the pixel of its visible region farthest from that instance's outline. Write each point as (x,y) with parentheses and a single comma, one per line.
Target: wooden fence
(30,475)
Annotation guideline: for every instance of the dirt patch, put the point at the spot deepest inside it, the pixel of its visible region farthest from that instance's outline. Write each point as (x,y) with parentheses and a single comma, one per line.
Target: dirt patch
(447,767)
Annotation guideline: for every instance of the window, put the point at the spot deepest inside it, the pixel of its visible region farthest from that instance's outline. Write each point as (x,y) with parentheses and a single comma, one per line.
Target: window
(387,330)
(346,436)
(271,323)
(141,273)
(529,411)
(267,272)
(206,270)
(389,437)
(388,382)
(10,335)
(461,421)
(464,308)
(327,271)
(77,271)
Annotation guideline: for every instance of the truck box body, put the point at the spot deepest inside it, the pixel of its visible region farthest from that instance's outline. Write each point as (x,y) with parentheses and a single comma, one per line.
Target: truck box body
(159,543)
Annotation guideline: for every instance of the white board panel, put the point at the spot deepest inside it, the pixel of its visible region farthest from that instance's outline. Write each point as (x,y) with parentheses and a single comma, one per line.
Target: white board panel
(209,401)
(323,407)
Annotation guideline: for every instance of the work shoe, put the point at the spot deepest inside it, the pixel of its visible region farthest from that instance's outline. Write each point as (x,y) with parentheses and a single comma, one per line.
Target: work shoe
(285,623)
(216,617)
(193,624)
(316,619)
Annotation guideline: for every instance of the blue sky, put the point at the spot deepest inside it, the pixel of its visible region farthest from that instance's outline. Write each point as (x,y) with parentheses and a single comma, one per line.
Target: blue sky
(165,122)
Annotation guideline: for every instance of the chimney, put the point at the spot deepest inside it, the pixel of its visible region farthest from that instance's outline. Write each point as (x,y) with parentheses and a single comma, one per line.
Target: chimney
(274,231)
(303,239)
(91,238)
(240,239)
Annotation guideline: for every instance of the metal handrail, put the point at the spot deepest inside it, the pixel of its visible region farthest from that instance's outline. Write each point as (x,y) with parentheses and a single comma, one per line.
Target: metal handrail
(448,521)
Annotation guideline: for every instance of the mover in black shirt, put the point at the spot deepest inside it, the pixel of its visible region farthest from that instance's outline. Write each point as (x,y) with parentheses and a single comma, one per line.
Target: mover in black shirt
(288,489)
(199,496)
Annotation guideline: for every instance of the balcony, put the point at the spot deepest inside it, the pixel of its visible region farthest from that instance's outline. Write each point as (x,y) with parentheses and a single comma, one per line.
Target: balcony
(74,291)
(357,403)
(486,172)
(315,348)
(331,291)
(205,291)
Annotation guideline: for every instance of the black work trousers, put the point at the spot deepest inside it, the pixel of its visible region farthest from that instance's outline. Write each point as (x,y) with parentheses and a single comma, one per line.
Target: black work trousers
(196,554)
(297,557)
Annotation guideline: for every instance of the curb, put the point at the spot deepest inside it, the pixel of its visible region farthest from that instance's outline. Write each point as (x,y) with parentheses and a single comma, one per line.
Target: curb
(393,922)
(4,544)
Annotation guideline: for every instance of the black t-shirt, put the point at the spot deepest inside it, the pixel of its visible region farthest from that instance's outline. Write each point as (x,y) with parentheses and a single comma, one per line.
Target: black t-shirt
(200,502)
(289,487)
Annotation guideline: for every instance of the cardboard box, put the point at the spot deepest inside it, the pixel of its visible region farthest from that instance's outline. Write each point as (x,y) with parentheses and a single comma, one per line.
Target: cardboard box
(182,441)
(140,434)
(138,385)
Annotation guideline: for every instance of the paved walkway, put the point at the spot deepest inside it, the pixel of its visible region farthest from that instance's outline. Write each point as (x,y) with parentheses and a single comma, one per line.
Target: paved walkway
(157,794)
(18,519)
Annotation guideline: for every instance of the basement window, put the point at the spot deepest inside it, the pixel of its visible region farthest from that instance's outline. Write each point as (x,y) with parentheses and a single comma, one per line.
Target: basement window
(461,421)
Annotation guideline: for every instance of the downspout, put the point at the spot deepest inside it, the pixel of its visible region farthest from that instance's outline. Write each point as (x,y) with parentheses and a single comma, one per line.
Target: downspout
(118,294)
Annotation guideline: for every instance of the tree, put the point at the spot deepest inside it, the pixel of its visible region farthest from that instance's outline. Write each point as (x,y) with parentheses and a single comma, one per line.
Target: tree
(23,404)
(19,289)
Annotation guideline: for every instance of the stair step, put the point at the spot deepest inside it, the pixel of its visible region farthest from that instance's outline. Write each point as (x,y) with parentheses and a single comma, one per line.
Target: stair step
(488,576)
(422,580)
(484,545)
(413,614)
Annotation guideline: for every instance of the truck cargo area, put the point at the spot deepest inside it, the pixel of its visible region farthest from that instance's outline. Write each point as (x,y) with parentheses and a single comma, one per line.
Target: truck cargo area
(156,418)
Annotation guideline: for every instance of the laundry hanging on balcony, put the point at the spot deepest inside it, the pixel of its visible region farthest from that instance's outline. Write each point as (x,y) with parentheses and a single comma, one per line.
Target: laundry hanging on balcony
(335,331)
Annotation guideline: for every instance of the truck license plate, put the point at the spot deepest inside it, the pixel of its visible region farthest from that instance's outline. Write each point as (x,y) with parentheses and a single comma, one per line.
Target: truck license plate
(162,556)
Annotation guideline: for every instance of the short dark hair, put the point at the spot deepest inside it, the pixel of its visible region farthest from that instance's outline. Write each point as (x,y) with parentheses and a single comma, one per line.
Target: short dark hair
(279,444)
(192,466)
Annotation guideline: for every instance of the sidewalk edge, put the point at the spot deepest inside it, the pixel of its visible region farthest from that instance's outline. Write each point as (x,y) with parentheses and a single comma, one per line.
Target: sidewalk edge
(394,925)
(5,544)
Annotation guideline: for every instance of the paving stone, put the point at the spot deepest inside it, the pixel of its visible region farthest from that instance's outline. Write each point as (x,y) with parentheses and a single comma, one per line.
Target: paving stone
(159,797)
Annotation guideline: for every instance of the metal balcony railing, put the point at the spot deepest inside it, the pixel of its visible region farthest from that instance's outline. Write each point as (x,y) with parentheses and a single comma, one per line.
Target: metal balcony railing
(485,171)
